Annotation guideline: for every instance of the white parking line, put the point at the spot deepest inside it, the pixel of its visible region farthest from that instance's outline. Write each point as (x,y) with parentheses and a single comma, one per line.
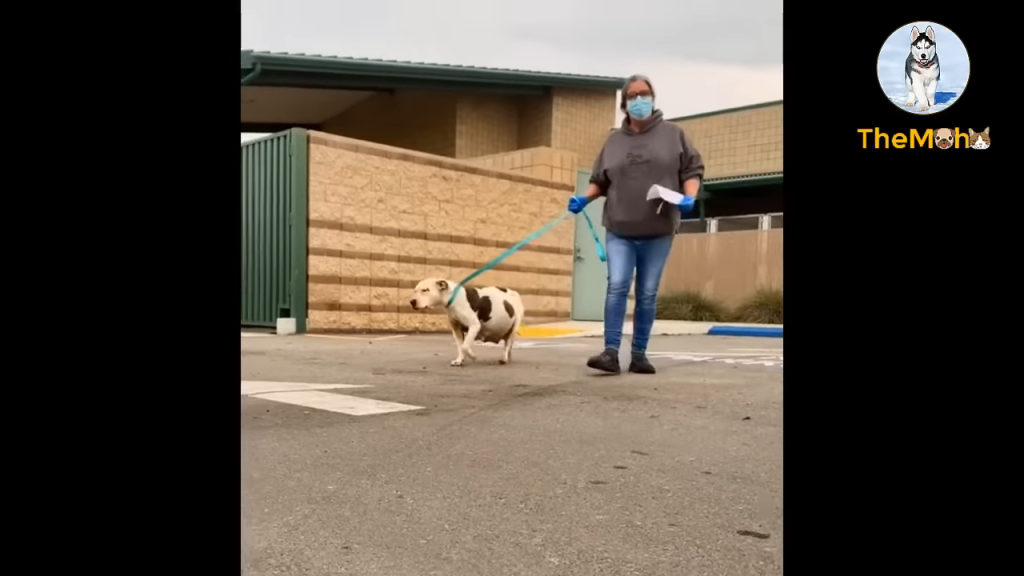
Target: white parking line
(542,344)
(748,359)
(531,344)
(359,338)
(314,396)
(351,405)
(726,354)
(253,387)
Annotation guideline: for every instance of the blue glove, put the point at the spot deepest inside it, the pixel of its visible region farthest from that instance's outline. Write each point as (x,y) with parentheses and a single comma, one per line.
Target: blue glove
(686,204)
(577,204)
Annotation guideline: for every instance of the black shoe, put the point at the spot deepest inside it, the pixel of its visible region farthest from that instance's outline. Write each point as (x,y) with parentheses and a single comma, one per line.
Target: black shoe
(640,365)
(607,361)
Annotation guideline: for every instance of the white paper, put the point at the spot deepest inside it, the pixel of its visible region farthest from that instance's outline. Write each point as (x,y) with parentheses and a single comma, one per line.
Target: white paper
(660,192)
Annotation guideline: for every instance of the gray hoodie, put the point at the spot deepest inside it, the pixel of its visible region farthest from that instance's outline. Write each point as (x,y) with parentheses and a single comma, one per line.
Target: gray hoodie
(630,162)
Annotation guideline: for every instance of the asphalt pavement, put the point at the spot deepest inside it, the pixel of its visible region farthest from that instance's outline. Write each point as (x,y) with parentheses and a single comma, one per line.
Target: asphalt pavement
(536,468)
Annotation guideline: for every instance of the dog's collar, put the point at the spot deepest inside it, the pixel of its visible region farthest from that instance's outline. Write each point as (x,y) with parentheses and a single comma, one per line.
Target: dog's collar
(927,64)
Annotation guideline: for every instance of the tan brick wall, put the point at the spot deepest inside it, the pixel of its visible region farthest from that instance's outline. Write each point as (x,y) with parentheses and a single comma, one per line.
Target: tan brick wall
(581,120)
(576,121)
(541,162)
(534,121)
(486,124)
(738,143)
(474,125)
(416,120)
(382,219)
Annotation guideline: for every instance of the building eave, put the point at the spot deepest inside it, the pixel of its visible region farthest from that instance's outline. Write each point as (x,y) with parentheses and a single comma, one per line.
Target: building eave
(746,181)
(311,69)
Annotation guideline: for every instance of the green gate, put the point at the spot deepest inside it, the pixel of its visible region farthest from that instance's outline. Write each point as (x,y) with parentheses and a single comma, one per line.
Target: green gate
(274,224)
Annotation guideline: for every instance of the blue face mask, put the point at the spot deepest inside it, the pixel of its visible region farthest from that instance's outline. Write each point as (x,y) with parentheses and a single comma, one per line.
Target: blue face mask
(640,107)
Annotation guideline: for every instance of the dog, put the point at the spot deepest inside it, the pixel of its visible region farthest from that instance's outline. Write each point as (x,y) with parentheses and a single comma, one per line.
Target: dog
(944,138)
(922,69)
(489,314)
(979,140)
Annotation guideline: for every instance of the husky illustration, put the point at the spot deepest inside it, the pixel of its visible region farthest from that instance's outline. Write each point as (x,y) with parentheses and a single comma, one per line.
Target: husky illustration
(922,69)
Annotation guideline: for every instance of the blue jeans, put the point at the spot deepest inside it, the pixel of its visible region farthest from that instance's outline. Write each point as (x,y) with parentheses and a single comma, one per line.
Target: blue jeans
(647,257)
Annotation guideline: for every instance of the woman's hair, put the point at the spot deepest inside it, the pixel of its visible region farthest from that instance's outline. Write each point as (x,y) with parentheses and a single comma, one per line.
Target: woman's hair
(630,80)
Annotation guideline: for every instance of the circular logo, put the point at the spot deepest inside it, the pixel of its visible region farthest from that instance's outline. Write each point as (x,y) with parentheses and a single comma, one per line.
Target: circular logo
(923,68)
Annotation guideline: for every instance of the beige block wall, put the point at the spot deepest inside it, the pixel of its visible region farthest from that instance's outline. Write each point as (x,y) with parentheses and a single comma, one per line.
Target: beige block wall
(416,120)
(575,121)
(746,141)
(581,120)
(534,121)
(541,162)
(486,124)
(383,218)
(460,125)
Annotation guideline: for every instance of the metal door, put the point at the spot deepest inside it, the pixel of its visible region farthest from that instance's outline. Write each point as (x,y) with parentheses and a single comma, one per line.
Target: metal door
(274,224)
(589,274)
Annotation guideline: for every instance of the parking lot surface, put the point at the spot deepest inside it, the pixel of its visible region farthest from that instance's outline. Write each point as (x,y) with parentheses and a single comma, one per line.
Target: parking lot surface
(372,456)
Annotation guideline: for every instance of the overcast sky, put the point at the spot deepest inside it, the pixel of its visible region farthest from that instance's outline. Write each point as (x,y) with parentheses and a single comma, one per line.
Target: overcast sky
(702,55)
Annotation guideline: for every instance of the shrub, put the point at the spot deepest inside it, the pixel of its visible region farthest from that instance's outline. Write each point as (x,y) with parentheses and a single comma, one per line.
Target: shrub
(763,307)
(690,305)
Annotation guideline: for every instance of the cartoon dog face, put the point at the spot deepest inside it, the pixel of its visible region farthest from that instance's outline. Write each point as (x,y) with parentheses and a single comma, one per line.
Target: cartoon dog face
(944,138)
(922,46)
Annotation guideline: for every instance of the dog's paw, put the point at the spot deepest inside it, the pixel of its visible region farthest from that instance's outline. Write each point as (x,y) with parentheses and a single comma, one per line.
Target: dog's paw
(456,362)
(503,361)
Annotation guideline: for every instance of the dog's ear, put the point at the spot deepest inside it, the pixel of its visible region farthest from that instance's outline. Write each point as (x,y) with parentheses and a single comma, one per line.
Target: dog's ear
(930,33)
(442,285)
(970,132)
(985,131)
(914,33)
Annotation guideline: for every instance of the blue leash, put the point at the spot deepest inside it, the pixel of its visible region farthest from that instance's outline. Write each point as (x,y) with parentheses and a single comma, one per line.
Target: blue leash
(597,241)
(547,227)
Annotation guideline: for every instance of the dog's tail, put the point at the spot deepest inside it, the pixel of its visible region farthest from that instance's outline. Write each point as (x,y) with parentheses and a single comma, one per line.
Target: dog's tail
(514,297)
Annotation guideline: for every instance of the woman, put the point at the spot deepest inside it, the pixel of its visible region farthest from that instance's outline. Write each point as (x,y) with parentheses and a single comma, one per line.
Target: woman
(644,151)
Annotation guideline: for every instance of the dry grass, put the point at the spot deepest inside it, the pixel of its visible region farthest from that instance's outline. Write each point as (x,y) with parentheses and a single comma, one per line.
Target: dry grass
(691,305)
(763,307)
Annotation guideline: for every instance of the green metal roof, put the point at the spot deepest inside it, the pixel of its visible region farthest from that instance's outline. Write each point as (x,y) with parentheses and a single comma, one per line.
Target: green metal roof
(314,70)
(762,179)
(727,111)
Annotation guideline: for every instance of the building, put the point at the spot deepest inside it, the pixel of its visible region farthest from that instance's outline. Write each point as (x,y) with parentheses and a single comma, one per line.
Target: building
(742,150)
(452,111)
(735,247)
(379,174)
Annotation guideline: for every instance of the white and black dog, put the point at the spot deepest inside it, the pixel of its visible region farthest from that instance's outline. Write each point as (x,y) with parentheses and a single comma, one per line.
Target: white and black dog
(922,69)
(488,314)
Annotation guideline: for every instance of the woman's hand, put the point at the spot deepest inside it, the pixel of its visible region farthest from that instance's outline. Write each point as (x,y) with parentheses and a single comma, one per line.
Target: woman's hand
(686,204)
(578,203)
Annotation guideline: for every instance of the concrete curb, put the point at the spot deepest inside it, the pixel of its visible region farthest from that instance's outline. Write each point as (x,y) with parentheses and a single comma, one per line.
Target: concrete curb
(542,332)
(736,331)
(746,331)
(699,329)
